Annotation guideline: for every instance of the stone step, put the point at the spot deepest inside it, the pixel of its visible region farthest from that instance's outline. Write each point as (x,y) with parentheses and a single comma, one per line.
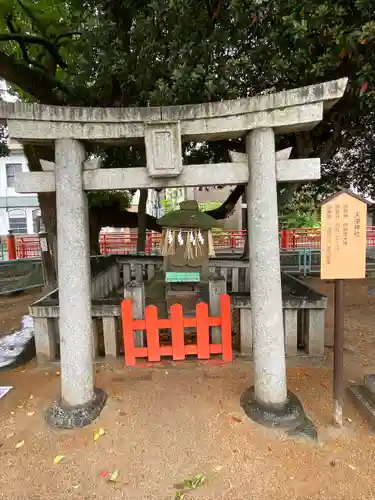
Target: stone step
(364,400)
(369,382)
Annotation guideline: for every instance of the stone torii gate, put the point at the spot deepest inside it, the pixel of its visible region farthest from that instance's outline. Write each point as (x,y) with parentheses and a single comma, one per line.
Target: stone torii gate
(163,129)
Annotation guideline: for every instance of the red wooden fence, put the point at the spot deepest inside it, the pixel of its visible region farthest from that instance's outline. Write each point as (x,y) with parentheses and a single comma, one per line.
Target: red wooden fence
(176,323)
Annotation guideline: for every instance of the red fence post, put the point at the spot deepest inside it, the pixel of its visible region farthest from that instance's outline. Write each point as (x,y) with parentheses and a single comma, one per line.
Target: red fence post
(152,333)
(203,331)
(12,254)
(178,332)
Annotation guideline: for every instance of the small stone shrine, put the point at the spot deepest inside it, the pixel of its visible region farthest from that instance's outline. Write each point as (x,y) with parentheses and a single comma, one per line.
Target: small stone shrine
(186,246)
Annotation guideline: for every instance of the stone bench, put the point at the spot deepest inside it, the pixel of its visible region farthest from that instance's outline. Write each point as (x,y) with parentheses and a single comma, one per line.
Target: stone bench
(104,312)
(304,315)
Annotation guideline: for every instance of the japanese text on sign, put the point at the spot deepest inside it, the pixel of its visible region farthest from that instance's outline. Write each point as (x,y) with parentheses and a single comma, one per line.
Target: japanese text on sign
(343,237)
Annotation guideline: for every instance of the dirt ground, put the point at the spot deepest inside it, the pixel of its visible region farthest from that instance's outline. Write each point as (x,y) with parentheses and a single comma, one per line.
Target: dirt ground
(13,307)
(164,425)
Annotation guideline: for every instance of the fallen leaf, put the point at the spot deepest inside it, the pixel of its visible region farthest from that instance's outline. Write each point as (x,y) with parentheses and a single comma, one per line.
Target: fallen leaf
(198,480)
(113,476)
(20,444)
(30,413)
(191,484)
(98,433)
(57,459)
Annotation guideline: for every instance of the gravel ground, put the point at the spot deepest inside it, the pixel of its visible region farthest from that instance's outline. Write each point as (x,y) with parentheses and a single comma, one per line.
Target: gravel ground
(163,425)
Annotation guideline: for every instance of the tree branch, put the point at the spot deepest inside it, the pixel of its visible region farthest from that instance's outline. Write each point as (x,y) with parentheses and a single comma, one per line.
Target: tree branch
(38,40)
(68,34)
(37,24)
(25,54)
(44,88)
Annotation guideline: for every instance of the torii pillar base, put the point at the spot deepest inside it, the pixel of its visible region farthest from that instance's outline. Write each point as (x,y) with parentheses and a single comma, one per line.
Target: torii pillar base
(289,417)
(63,416)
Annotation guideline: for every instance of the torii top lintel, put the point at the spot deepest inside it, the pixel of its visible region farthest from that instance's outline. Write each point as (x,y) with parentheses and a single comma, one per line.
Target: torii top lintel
(287,111)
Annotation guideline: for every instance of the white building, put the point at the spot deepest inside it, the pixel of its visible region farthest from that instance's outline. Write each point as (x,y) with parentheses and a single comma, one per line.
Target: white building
(18,212)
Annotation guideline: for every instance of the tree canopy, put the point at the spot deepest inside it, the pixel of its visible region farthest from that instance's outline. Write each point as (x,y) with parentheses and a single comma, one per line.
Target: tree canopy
(153,52)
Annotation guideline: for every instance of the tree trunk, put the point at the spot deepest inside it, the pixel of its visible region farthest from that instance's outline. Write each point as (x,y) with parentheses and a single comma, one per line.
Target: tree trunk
(142,223)
(47,202)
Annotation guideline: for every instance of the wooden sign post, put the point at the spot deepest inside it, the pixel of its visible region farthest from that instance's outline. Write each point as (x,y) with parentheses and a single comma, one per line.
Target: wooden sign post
(343,256)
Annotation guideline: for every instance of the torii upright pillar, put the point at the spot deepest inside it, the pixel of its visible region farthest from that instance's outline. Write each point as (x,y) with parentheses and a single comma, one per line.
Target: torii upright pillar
(80,403)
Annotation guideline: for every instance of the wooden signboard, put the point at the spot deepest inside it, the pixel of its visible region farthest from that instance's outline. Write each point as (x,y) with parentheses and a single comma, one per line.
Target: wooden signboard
(343,237)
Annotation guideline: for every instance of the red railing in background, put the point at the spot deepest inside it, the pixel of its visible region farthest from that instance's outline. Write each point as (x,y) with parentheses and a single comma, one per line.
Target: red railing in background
(122,243)
(177,323)
(294,239)
(309,237)
(27,247)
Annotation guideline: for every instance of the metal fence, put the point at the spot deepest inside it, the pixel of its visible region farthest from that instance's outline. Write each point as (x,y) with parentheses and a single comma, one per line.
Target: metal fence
(18,275)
